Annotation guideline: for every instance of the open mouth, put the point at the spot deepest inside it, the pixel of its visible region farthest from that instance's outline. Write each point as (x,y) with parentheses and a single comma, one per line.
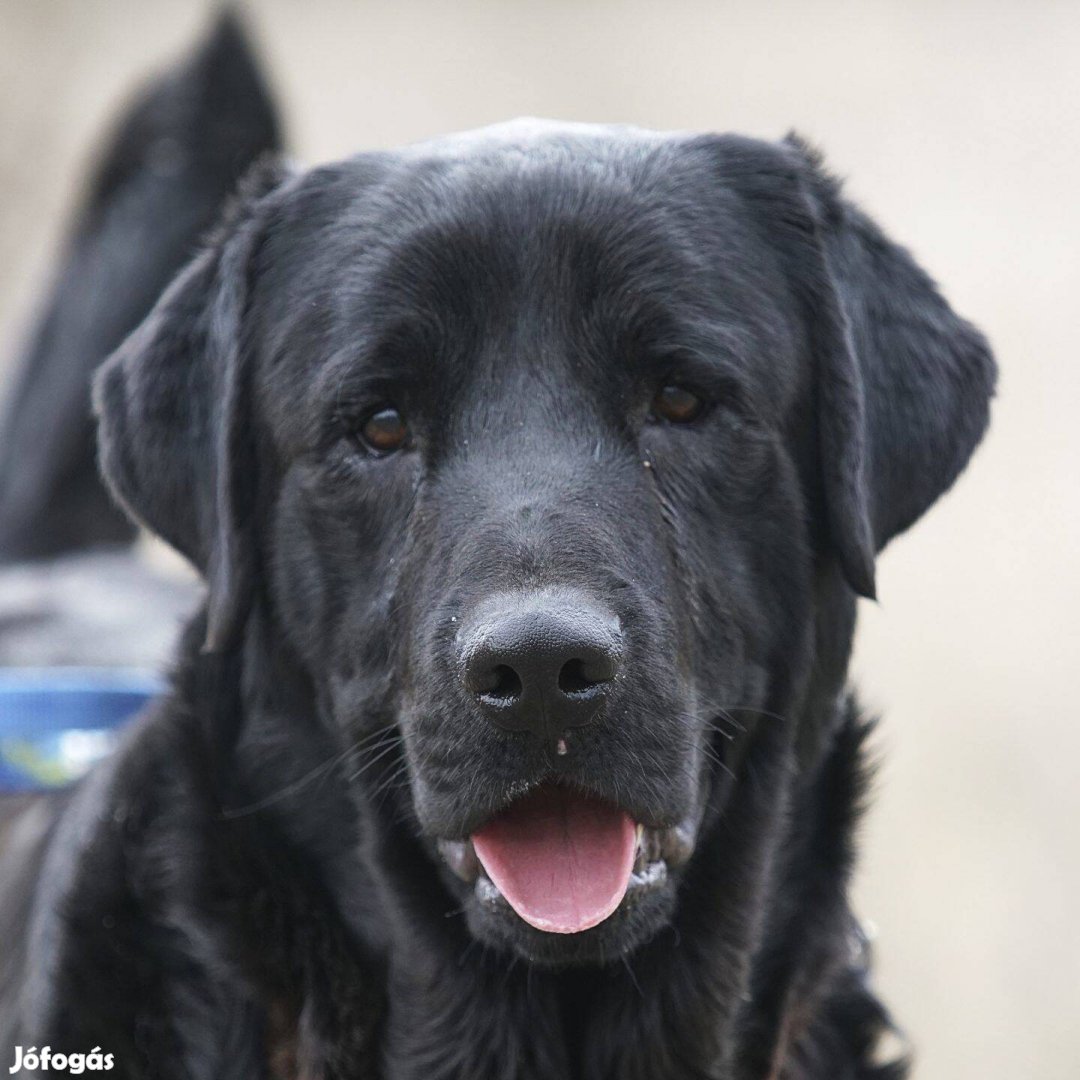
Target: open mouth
(565,861)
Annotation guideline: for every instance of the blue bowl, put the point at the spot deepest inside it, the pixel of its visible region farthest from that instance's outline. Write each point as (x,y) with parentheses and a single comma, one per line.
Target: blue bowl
(55,723)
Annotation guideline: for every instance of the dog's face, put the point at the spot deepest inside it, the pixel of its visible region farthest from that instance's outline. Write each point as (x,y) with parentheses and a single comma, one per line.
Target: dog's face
(537,504)
(535,444)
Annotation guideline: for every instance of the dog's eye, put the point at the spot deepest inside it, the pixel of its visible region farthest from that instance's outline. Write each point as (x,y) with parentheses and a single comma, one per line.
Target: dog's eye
(385,431)
(676,404)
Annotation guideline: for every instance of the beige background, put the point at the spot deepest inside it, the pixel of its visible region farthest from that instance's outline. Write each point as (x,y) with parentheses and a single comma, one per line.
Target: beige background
(957,124)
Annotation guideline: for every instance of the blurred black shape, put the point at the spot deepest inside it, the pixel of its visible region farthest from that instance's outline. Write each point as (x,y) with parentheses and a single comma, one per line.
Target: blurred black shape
(174,157)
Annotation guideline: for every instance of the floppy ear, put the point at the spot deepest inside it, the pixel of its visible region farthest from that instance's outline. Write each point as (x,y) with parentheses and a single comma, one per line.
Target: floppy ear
(926,375)
(903,384)
(173,425)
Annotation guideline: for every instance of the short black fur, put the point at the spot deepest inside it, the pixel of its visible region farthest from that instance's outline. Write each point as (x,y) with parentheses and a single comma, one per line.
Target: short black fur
(253,886)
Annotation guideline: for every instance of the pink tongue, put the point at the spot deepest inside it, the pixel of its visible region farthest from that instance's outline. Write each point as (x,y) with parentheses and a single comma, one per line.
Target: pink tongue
(562,860)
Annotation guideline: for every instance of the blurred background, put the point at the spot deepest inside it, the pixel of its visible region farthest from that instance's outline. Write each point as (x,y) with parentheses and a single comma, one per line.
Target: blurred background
(957,125)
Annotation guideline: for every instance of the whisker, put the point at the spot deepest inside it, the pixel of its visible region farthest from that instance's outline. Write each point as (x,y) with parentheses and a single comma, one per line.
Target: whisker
(711,726)
(759,712)
(463,956)
(389,782)
(716,760)
(373,739)
(719,712)
(230,813)
(633,977)
(726,716)
(709,753)
(384,750)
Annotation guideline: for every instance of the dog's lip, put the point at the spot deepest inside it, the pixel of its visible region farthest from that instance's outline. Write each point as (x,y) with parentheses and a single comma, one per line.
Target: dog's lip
(659,850)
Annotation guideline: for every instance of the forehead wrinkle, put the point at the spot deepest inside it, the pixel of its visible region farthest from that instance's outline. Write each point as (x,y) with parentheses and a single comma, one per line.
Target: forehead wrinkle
(476,255)
(424,207)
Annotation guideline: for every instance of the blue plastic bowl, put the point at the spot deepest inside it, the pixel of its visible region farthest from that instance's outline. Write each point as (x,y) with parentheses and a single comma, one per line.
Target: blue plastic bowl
(55,723)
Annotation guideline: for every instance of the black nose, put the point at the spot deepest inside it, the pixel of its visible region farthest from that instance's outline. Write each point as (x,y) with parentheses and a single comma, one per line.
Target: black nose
(540,662)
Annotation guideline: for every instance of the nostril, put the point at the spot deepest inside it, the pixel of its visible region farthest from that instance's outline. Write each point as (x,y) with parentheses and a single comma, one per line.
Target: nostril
(501,685)
(540,662)
(578,678)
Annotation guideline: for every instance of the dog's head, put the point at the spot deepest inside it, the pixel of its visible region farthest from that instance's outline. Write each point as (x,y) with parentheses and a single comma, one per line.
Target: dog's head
(546,445)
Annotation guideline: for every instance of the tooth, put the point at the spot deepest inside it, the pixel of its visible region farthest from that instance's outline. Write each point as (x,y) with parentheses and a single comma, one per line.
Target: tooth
(486,890)
(654,850)
(677,844)
(650,876)
(460,857)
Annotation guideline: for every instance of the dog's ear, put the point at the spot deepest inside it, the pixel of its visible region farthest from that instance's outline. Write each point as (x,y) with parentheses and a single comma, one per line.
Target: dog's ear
(174,436)
(903,384)
(926,378)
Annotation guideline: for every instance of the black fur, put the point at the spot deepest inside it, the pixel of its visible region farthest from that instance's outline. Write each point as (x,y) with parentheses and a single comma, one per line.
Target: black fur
(251,887)
(169,167)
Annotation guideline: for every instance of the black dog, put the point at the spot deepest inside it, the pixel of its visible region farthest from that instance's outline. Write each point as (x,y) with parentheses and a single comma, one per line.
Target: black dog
(534,474)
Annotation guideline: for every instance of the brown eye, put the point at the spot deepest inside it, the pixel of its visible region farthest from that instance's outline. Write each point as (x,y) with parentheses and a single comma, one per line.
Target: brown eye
(385,431)
(677,404)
